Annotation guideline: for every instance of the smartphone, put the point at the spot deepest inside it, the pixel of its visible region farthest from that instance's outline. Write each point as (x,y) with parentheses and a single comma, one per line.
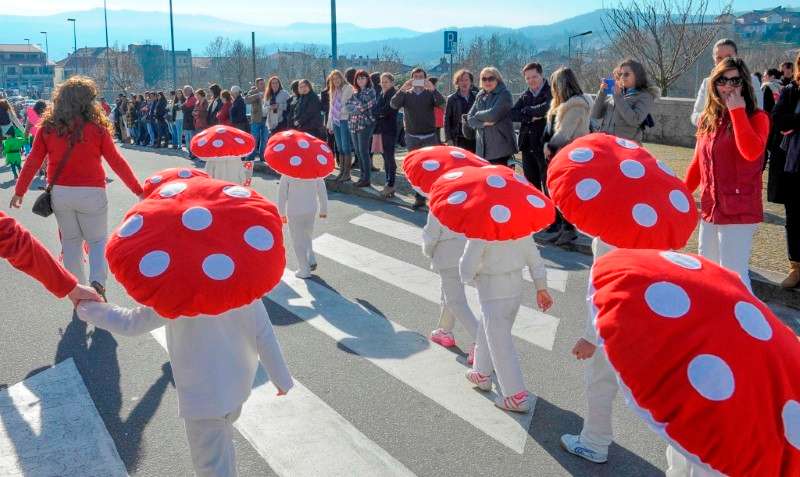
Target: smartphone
(609,85)
(418,83)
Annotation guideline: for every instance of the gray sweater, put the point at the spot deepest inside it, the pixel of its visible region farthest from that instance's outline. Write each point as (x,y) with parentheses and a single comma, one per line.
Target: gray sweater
(418,117)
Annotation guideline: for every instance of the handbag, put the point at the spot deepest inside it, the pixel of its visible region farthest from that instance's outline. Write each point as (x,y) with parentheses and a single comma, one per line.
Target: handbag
(43,205)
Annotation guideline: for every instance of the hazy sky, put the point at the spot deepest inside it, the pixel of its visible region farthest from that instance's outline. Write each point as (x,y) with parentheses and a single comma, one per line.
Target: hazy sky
(414,14)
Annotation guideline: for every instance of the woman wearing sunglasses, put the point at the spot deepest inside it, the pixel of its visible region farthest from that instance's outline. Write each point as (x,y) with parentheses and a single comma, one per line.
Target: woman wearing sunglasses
(728,161)
(490,120)
(623,105)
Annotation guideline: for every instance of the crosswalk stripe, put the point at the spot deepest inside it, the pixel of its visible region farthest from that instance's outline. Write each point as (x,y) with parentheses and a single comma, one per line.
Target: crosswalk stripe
(531,325)
(556,278)
(404,354)
(50,426)
(299,434)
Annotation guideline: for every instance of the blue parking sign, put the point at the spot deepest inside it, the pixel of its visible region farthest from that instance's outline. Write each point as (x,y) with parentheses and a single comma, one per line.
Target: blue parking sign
(450,41)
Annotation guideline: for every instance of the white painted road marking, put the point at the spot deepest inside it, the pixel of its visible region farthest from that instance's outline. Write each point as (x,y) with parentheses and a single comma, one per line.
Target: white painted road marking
(49,426)
(531,325)
(299,434)
(556,279)
(404,354)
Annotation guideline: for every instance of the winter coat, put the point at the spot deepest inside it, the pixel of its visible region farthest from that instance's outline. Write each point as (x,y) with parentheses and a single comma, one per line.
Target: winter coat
(213,108)
(455,108)
(307,114)
(498,140)
(254,98)
(188,108)
(274,118)
(360,106)
(238,114)
(784,186)
(201,115)
(386,115)
(531,112)
(623,113)
(345,94)
(224,114)
(567,122)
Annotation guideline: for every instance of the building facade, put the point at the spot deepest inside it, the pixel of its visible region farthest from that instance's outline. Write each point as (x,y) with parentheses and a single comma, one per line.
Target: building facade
(25,70)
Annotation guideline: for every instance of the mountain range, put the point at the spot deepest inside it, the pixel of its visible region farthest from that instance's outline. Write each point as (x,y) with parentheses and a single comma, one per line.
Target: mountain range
(197,31)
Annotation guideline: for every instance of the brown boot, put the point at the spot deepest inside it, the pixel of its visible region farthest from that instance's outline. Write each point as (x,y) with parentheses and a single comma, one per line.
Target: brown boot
(793,279)
(344,173)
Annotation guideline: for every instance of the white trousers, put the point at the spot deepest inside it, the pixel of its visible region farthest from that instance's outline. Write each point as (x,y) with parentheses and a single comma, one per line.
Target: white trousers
(601,389)
(82,215)
(229,169)
(494,346)
(211,445)
(679,466)
(301,227)
(454,303)
(728,245)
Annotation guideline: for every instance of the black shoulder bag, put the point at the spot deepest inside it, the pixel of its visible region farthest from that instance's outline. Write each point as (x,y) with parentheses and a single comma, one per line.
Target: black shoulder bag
(43,205)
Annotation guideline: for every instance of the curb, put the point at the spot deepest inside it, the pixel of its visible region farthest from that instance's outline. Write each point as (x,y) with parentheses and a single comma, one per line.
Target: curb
(766,284)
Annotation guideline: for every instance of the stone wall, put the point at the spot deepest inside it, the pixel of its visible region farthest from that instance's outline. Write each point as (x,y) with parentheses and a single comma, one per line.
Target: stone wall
(673,126)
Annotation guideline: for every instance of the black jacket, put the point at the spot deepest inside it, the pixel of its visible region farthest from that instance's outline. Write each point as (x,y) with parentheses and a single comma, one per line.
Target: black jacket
(307,114)
(161,109)
(457,106)
(238,112)
(213,108)
(783,186)
(385,114)
(531,112)
(188,119)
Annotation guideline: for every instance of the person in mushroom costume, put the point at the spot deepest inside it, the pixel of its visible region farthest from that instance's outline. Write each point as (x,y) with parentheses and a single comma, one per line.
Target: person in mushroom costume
(615,191)
(702,361)
(303,162)
(222,147)
(443,246)
(198,254)
(498,211)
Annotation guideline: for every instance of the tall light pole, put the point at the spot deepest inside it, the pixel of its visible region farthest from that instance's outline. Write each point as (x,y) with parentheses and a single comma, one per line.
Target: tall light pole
(108,58)
(334,52)
(172,40)
(28,40)
(46,47)
(74,39)
(569,43)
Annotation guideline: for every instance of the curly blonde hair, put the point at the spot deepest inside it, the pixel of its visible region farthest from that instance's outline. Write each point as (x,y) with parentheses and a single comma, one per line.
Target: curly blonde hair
(73,105)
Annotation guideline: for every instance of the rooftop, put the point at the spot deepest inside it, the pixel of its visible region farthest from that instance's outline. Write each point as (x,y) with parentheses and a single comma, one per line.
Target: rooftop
(19,48)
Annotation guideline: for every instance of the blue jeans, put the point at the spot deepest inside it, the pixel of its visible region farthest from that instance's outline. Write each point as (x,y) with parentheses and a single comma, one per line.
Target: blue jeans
(341,132)
(363,143)
(151,132)
(177,133)
(260,133)
(188,134)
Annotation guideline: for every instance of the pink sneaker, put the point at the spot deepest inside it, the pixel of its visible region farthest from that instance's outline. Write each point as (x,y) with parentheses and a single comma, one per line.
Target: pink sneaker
(443,338)
(519,402)
(482,381)
(471,355)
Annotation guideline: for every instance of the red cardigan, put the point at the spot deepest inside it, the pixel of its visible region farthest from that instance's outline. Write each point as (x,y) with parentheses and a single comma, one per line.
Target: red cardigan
(84,167)
(27,254)
(224,114)
(728,166)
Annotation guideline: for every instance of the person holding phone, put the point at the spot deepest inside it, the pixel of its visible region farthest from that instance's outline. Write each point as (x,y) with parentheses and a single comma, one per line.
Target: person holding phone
(625,101)
(728,161)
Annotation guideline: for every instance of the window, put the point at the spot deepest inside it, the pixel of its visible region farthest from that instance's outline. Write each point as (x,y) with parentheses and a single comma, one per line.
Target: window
(12,70)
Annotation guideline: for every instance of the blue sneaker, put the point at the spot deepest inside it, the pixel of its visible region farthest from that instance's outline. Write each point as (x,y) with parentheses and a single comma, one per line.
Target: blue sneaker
(573,445)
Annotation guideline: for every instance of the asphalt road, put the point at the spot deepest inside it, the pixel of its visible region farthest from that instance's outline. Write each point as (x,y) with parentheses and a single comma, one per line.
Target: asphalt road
(376,389)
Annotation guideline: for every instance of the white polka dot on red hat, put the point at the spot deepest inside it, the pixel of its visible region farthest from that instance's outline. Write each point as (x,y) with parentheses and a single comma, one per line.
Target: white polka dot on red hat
(279,147)
(453,175)
(678,200)
(430,165)
(218,266)
(682,260)
(632,169)
(752,321)
(500,213)
(221,130)
(131,226)
(303,144)
(155,179)
(667,300)
(496,181)
(196,218)
(260,238)
(627,144)
(644,215)
(218,143)
(791,422)
(712,377)
(665,168)
(202,142)
(322,159)
(457,197)
(185,173)
(521,179)
(154,263)
(238,140)
(458,154)
(587,189)
(295,160)
(581,154)
(325,148)
(536,201)
(236,191)
(173,189)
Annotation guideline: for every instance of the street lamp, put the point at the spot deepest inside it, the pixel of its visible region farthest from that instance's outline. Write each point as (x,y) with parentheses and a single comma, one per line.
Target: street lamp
(108,58)
(334,53)
(172,39)
(46,46)
(28,40)
(569,43)
(74,40)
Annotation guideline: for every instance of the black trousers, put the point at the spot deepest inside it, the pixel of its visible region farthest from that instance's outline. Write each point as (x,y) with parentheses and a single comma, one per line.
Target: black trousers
(464,143)
(502,161)
(792,206)
(534,166)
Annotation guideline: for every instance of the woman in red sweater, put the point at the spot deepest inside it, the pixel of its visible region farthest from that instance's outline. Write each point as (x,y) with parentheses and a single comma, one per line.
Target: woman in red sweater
(79,195)
(731,139)
(224,114)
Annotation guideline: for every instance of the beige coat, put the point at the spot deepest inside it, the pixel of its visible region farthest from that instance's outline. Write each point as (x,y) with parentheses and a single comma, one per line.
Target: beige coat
(622,115)
(569,121)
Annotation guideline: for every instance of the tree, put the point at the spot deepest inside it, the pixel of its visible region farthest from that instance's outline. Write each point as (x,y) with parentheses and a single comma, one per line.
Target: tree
(125,74)
(666,36)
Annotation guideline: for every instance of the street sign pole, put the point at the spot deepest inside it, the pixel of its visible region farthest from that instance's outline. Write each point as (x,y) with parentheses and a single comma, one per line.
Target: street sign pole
(450,44)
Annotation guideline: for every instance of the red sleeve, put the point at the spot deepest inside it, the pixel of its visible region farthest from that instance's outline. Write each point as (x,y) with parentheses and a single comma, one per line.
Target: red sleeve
(693,173)
(119,165)
(750,133)
(32,164)
(27,254)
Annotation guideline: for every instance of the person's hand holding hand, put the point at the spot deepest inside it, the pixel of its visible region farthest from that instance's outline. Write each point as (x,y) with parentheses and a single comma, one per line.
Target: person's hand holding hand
(583,349)
(16,202)
(544,300)
(82,292)
(323,216)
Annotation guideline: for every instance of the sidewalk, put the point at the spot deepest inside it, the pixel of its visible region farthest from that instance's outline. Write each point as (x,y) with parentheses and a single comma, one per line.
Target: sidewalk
(769,245)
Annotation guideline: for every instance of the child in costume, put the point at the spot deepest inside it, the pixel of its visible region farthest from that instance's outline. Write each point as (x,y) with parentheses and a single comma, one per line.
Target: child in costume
(299,202)
(199,254)
(12,147)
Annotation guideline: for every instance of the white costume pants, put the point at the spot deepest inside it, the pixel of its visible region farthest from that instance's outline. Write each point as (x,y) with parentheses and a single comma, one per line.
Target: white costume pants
(454,303)
(679,466)
(494,346)
(601,389)
(728,245)
(82,215)
(229,169)
(301,227)
(211,445)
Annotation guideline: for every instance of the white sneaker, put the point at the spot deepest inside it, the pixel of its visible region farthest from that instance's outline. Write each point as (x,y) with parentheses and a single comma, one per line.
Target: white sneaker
(572,444)
(482,381)
(302,275)
(519,402)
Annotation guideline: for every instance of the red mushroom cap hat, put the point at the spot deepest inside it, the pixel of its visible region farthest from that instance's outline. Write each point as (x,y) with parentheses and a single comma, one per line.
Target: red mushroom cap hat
(703,361)
(201,246)
(614,189)
(299,155)
(423,166)
(160,178)
(222,141)
(490,203)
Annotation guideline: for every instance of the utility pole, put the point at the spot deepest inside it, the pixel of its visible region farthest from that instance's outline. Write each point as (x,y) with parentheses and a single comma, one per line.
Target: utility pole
(172,40)
(253,46)
(334,52)
(74,42)
(109,83)
(46,47)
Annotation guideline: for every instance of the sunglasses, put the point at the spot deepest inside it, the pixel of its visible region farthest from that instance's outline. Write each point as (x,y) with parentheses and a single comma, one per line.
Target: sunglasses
(735,81)
(488,79)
